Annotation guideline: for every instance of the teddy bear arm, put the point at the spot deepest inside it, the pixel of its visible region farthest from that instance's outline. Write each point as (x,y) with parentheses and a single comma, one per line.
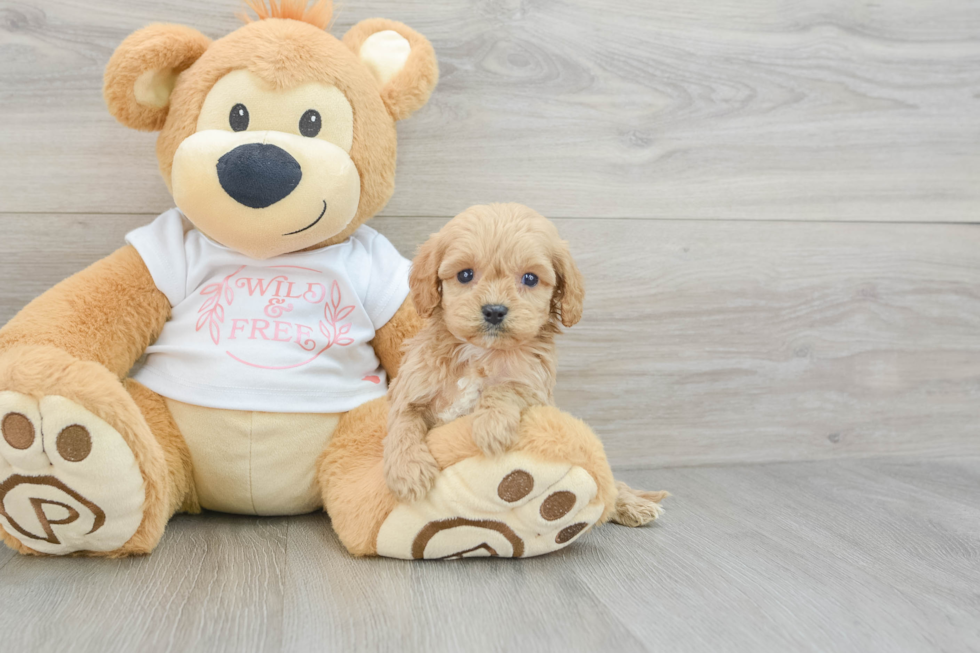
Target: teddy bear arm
(108,313)
(389,338)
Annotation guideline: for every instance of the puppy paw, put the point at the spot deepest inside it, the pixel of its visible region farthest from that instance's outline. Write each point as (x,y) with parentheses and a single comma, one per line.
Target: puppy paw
(495,429)
(637,507)
(410,472)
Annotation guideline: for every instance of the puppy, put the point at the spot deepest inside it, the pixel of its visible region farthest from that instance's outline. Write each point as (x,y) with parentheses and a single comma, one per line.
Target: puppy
(494,285)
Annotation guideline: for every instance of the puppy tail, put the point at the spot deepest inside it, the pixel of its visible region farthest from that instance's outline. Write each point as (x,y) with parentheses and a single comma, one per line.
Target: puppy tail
(637,507)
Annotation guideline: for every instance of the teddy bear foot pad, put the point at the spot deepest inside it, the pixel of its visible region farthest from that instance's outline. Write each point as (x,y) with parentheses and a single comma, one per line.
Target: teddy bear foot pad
(68,481)
(513,505)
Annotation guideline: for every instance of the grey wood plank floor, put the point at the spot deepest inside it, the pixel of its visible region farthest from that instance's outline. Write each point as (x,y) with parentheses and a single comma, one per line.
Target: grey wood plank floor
(709,342)
(859,555)
(719,109)
(717,167)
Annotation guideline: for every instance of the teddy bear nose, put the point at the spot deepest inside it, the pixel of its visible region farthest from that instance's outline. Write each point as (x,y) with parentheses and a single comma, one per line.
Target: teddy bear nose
(258,174)
(494,313)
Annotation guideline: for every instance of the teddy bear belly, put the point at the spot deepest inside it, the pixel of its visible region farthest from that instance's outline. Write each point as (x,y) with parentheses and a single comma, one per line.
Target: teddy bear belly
(255,463)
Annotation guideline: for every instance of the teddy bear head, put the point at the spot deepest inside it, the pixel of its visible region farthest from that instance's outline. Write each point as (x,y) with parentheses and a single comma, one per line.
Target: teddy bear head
(277,137)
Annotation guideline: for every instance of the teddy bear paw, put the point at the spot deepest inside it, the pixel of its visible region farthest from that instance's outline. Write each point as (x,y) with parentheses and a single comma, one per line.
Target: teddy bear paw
(513,505)
(68,481)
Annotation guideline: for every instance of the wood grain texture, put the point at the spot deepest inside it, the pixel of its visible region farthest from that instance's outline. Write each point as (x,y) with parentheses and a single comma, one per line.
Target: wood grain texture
(706,342)
(393,606)
(875,555)
(215,584)
(587,108)
(661,133)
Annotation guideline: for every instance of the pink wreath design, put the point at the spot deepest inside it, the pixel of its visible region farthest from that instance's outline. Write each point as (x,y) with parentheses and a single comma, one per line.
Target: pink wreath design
(332,327)
(212,312)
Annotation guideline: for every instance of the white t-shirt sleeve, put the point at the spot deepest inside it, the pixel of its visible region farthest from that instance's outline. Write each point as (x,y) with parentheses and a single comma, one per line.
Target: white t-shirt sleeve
(388,282)
(161,245)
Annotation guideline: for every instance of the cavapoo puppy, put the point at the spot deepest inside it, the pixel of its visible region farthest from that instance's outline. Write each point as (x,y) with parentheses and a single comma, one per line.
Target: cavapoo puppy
(494,284)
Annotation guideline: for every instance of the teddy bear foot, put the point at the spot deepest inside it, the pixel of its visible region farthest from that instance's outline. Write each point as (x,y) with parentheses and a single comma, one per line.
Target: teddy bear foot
(513,505)
(68,481)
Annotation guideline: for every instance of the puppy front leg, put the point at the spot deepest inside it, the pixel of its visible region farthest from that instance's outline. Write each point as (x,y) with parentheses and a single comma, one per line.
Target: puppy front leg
(409,468)
(497,417)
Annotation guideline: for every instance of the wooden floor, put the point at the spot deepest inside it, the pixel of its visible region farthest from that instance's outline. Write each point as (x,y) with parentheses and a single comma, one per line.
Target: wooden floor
(776,206)
(865,556)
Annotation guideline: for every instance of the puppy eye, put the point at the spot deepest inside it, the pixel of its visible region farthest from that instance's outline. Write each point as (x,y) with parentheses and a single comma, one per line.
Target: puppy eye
(465,276)
(530,280)
(238,118)
(310,123)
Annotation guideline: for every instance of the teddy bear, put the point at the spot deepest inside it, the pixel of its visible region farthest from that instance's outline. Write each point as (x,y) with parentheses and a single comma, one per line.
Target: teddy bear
(234,354)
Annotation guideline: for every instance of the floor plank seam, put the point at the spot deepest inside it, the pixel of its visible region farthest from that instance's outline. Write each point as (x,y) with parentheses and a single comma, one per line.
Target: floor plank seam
(898,455)
(612,611)
(567,217)
(285,588)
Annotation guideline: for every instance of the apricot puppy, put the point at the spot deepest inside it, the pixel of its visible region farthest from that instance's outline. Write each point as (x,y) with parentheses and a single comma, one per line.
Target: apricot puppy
(494,285)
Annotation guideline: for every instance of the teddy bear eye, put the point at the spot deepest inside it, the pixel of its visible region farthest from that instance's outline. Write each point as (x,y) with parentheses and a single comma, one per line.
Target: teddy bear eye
(465,276)
(529,279)
(310,123)
(238,118)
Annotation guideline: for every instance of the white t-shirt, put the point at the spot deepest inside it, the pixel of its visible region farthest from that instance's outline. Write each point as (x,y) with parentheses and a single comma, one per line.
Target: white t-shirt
(289,334)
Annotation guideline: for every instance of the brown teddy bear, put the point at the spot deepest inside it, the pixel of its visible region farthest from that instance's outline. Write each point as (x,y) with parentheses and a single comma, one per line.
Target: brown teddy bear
(234,355)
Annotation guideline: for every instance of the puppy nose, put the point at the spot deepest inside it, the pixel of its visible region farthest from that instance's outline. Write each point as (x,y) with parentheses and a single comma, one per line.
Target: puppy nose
(494,313)
(258,174)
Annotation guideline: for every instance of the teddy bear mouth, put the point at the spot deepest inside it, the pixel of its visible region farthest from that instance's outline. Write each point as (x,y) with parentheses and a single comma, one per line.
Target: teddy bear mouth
(312,224)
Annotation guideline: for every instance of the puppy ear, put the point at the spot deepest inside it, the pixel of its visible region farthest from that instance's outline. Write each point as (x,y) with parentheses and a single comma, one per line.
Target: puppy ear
(401,60)
(143,70)
(570,288)
(423,281)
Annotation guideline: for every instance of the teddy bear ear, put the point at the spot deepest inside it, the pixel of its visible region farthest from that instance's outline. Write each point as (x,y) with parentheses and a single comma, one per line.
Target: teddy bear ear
(143,70)
(401,60)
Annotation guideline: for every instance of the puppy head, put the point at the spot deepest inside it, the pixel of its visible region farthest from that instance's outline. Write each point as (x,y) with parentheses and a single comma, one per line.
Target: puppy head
(499,275)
